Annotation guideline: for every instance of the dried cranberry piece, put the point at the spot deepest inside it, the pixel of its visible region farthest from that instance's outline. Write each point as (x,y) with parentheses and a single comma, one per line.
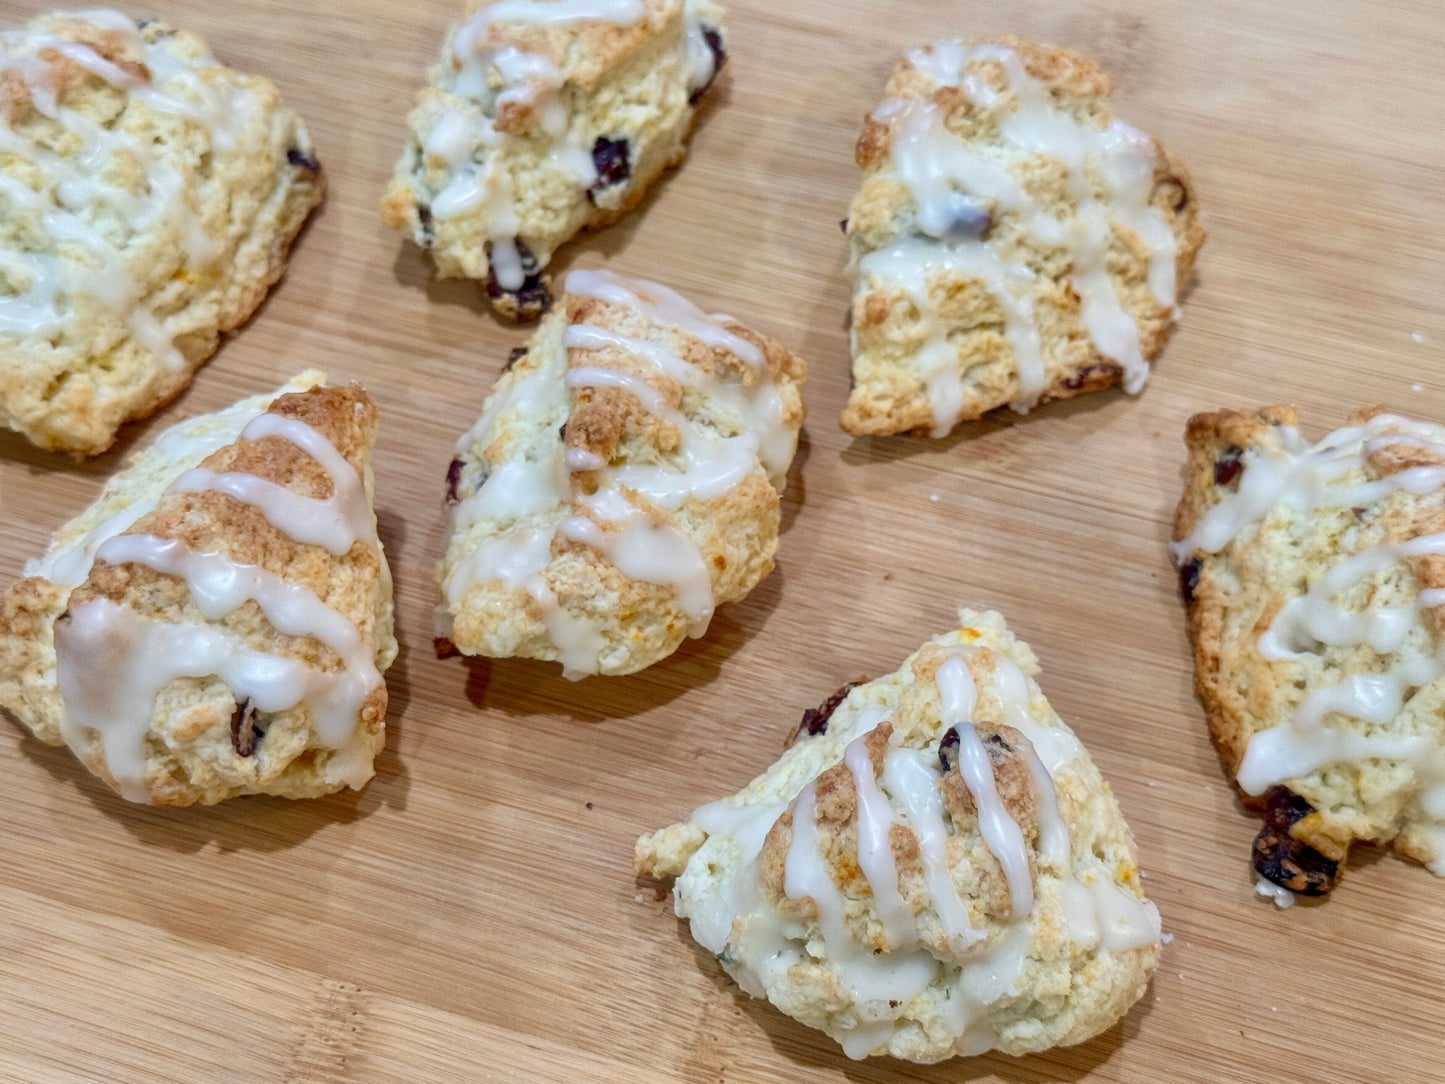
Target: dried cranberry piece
(302,160)
(529,300)
(1284,860)
(444,648)
(815,720)
(1090,374)
(948,750)
(454,478)
(1228,468)
(612,159)
(1283,808)
(517,354)
(246,734)
(719,58)
(843,224)
(997,747)
(428,231)
(1188,579)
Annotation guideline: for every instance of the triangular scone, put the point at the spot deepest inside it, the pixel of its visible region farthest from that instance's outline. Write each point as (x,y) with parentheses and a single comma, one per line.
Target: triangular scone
(1013,242)
(1314,576)
(933,868)
(547,117)
(148,198)
(217,622)
(622,482)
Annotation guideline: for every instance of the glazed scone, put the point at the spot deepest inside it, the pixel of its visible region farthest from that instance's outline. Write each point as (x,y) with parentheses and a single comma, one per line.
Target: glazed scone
(933,868)
(1313,577)
(1013,241)
(217,622)
(622,482)
(148,199)
(543,118)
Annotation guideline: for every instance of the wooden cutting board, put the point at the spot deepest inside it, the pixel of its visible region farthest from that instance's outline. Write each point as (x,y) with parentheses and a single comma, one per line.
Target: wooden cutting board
(472,915)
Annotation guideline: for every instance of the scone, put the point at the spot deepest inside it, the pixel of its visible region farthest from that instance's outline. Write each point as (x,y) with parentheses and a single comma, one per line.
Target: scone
(933,868)
(1013,241)
(543,118)
(217,622)
(622,482)
(1314,577)
(148,199)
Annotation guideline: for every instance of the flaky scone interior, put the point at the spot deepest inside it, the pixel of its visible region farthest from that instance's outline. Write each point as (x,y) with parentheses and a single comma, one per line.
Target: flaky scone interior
(1013,241)
(933,868)
(1314,576)
(217,623)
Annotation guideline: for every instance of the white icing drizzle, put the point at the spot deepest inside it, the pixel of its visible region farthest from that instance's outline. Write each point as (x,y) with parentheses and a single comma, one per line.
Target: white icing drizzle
(485,79)
(702,63)
(144,656)
(463,137)
(653,554)
(875,851)
(880,983)
(1288,475)
(617,518)
(1001,833)
(666,306)
(335,523)
(713,924)
(1281,896)
(733,919)
(552,12)
(67,562)
(1110,179)
(911,776)
(111,663)
(87,218)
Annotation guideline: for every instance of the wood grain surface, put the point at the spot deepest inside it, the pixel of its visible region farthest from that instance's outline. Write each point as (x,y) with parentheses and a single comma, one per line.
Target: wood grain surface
(472,915)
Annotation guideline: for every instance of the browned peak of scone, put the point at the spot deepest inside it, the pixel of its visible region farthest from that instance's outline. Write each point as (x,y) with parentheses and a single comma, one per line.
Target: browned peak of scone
(836,820)
(604,418)
(210,521)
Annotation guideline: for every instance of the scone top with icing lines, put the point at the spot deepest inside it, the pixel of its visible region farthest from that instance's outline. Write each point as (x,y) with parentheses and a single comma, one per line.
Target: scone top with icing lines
(1314,576)
(148,197)
(1013,242)
(217,622)
(546,117)
(933,868)
(622,482)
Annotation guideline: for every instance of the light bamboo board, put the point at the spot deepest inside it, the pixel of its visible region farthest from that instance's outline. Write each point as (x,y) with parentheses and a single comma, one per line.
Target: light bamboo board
(472,914)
